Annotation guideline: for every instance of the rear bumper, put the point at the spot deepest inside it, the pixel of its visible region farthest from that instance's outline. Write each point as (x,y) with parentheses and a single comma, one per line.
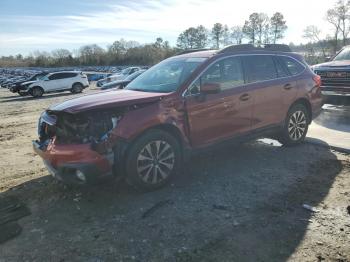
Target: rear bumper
(73,164)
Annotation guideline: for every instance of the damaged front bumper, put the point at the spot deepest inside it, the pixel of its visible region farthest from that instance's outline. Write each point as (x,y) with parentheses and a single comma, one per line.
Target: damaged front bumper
(74,163)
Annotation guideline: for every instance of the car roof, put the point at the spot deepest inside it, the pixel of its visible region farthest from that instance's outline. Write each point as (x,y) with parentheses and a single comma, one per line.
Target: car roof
(244,49)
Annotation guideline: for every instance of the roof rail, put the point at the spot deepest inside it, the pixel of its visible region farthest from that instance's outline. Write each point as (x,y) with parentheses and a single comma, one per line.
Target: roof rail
(187,51)
(278,47)
(232,48)
(250,47)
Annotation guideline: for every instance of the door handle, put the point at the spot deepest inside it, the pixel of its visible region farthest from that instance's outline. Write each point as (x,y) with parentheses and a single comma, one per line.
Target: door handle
(244,97)
(287,86)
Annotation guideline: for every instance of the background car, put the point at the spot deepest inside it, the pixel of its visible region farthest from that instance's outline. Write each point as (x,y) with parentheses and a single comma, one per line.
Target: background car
(122,83)
(16,86)
(335,74)
(118,76)
(56,82)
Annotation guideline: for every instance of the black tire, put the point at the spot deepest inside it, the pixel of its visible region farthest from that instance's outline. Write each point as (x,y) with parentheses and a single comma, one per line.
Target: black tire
(22,94)
(152,160)
(295,126)
(77,88)
(37,91)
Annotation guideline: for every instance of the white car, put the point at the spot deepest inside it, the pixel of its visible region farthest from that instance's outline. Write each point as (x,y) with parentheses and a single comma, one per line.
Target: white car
(72,81)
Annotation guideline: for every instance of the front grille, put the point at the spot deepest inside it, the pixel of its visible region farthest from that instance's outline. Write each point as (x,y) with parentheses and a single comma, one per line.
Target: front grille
(334,78)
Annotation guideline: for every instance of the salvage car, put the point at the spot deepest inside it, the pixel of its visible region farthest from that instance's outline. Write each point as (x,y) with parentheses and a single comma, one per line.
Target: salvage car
(189,102)
(72,81)
(335,74)
(120,84)
(17,86)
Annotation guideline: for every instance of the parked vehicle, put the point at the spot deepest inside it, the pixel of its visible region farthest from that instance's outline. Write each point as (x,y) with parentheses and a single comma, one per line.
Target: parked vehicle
(55,82)
(185,103)
(335,74)
(118,76)
(103,81)
(17,86)
(124,73)
(120,84)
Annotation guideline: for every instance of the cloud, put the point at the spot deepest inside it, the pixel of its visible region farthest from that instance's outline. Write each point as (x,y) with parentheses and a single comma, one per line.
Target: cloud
(143,21)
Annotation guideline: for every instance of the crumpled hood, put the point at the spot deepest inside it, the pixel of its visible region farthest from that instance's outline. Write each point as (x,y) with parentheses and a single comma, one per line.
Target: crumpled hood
(334,64)
(107,99)
(28,82)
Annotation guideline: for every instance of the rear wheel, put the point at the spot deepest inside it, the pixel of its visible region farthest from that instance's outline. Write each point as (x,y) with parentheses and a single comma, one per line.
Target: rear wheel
(295,126)
(77,88)
(37,91)
(152,160)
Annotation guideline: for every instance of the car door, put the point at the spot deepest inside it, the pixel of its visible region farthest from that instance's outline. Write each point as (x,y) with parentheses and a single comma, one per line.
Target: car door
(51,83)
(219,116)
(64,81)
(67,80)
(266,87)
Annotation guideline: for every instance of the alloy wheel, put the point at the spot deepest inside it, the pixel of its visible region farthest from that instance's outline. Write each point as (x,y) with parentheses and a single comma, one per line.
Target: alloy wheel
(155,162)
(297,125)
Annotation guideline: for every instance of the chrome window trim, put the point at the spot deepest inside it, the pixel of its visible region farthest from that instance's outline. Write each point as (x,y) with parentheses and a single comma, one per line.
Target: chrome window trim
(245,84)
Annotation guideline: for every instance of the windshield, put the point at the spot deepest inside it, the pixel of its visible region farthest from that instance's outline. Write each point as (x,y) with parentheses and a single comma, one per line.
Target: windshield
(36,77)
(343,55)
(166,76)
(125,71)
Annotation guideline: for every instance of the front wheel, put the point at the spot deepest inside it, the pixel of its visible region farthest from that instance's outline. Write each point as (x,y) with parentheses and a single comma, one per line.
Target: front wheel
(295,126)
(152,160)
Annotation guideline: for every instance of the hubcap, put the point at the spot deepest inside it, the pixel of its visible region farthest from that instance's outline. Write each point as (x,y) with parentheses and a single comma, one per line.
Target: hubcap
(155,162)
(297,125)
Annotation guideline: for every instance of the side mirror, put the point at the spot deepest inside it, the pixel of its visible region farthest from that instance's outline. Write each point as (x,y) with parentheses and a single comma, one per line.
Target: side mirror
(210,88)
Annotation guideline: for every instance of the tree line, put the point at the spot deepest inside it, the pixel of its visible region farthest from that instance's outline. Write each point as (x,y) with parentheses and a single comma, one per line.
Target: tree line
(319,48)
(257,29)
(121,52)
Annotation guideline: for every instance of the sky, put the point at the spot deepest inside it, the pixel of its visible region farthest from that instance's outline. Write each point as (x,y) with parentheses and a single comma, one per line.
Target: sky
(45,25)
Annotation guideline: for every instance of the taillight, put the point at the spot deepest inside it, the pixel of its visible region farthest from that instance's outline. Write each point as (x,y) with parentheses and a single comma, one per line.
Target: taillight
(317,80)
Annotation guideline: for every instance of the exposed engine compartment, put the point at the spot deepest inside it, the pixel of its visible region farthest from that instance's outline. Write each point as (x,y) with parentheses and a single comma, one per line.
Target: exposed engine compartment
(88,127)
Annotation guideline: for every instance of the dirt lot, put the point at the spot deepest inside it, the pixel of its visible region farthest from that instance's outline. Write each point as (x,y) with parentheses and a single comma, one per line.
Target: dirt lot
(235,204)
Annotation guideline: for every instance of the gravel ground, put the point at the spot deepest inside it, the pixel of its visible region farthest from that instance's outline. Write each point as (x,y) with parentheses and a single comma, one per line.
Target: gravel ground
(242,203)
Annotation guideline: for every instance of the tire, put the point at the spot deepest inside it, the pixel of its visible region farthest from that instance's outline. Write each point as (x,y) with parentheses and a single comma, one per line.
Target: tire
(77,88)
(37,91)
(152,160)
(295,126)
(22,94)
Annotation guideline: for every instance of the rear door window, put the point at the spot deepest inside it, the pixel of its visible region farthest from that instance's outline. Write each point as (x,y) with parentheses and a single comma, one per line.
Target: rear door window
(259,68)
(292,65)
(227,72)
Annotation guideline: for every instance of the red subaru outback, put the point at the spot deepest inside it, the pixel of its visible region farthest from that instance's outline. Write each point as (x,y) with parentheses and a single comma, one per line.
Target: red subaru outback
(187,102)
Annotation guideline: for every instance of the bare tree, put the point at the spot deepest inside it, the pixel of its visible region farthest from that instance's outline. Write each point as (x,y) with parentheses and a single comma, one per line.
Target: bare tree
(342,9)
(333,18)
(313,34)
(237,34)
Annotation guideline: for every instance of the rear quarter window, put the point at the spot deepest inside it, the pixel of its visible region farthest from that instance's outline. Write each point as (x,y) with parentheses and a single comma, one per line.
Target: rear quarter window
(293,67)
